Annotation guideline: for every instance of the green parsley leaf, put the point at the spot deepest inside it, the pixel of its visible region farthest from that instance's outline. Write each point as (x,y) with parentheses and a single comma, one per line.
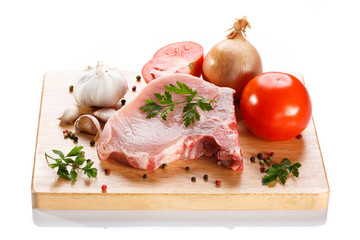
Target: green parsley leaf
(181,89)
(165,103)
(58,153)
(205,105)
(283,176)
(281,171)
(294,169)
(285,163)
(164,114)
(63,172)
(73,175)
(152,107)
(75,151)
(79,160)
(91,173)
(88,166)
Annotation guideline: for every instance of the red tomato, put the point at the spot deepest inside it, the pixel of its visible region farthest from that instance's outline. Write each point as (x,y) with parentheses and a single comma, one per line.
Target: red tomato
(181,57)
(275,106)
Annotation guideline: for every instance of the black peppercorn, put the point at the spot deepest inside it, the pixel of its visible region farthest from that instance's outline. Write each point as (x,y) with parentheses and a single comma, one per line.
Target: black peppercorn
(144,176)
(252,159)
(206,177)
(164,166)
(123,101)
(193,179)
(259,155)
(92,142)
(187,168)
(134,88)
(75,139)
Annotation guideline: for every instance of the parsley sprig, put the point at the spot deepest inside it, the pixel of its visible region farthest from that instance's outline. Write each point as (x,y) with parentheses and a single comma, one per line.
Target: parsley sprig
(165,103)
(281,171)
(74,159)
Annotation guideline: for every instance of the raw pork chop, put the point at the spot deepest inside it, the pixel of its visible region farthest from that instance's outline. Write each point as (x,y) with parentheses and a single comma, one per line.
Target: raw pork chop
(148,143)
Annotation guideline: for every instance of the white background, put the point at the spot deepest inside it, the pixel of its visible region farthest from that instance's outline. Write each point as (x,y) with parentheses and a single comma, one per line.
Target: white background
(317,38)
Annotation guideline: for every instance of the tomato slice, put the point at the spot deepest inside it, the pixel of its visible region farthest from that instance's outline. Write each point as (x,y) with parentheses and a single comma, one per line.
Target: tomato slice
(182,57)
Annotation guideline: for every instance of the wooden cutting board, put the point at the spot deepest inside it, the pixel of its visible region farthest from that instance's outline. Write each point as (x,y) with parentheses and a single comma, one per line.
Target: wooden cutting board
(170,188)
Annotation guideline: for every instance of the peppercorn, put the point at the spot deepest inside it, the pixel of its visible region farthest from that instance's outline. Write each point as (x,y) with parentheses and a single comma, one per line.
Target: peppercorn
(262,162)
(75,139)
(219,163)
(164,166)
(193,179)
(71,88)
(272,154)
(259,155)
(206,177)
(134,88)
(65,131)
(299,136)
(217,182)
(89,160)
(270,158)
(262,169)
(144,176)
(268,161)
(187,168)
(138,78)
(252,159)
(71,135)
(123,101)
(104,188)
(92,142)
(107,171)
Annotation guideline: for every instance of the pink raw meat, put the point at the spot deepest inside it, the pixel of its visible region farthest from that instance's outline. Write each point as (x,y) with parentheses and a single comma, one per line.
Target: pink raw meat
(148,143)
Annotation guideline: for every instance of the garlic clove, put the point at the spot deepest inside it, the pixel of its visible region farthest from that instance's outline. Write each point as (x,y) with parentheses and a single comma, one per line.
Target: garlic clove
(104,114)
(70,114)
(87,124)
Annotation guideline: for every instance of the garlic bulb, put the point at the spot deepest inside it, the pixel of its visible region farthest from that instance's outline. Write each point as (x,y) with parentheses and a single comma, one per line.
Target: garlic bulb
(70,114)
(100,87)
(87,124)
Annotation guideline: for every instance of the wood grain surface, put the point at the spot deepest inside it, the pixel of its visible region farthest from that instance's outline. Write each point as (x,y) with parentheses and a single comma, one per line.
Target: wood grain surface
(170,188)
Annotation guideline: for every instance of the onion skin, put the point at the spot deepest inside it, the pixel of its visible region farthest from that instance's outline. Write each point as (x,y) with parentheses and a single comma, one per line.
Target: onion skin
(232,62)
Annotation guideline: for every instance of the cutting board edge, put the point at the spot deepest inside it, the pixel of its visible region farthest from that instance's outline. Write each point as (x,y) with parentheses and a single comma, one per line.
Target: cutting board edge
(321,155)
(181,201)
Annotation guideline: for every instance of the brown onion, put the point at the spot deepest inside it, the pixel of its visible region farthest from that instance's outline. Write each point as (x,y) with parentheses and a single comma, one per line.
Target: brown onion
(233,62)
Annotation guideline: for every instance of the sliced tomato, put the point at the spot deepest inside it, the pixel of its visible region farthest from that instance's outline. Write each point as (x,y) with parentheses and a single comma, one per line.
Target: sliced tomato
(181,57)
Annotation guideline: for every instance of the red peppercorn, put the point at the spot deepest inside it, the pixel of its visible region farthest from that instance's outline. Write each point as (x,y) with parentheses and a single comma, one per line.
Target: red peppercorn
(134,88)
(217,182)
(299,136)
(262,169)
(107,171)
(65,131)
(104,188)
(272,154)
